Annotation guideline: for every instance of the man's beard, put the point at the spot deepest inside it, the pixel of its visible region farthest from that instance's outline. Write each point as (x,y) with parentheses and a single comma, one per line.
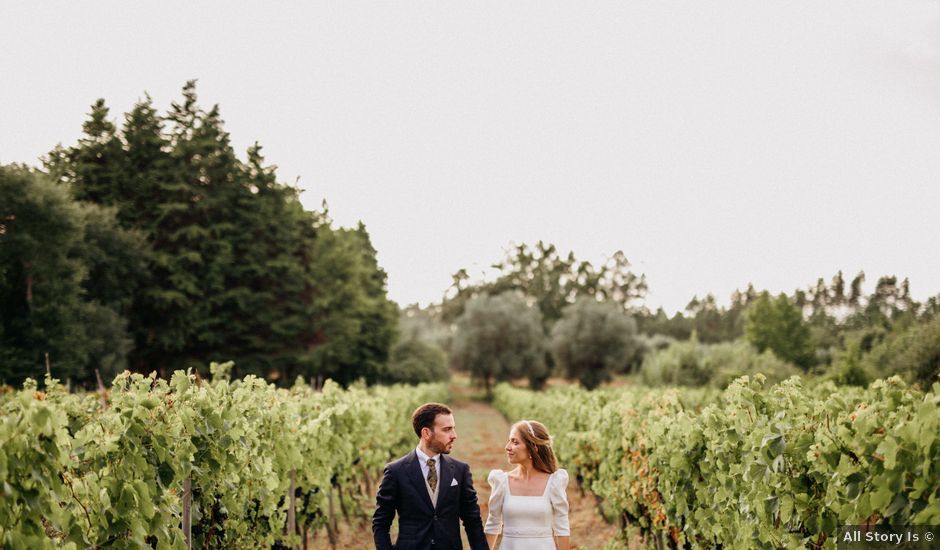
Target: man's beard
(440,448)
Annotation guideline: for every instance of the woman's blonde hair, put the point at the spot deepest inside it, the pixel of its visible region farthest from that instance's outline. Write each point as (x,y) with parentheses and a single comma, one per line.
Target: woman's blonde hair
(539,444)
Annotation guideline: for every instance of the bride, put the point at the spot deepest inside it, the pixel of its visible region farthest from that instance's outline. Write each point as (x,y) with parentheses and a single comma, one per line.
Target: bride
(529,505)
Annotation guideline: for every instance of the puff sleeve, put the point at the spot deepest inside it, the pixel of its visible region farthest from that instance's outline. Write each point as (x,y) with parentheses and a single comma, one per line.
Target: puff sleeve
(494,518)
(559,498)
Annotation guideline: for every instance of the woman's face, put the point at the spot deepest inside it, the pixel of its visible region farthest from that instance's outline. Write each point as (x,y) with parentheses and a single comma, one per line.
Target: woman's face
(516,450)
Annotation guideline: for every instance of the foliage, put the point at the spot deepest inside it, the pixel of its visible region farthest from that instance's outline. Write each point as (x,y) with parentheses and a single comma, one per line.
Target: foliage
(835,314)
(646,346)
(912,352)
(849,368)
(593,340)
(41,288)
(551,281)
(694,364)
(107,341)
(679,364)
(714,324)
(78,473)
(499,338)
(356,322)
(59,293)
(414,362)
(232,264)
(728,361)
(425,324)
(754,467)
(704,317)
(658,323)
(777,324)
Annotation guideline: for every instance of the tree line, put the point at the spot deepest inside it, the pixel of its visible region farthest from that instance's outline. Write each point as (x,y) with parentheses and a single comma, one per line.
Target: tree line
(548,313)
(151,245)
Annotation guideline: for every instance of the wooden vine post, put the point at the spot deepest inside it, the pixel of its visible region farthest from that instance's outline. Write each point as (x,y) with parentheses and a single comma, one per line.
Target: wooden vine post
(291,510)
(188,512)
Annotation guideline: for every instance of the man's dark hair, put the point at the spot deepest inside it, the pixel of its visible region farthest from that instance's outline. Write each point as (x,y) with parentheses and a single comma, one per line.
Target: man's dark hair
(424,416)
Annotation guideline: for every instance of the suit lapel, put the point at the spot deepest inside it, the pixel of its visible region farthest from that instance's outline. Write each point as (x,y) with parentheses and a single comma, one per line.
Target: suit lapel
(417,479)
(447,476)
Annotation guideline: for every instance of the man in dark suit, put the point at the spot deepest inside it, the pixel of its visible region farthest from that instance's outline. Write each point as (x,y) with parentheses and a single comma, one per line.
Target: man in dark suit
(429,490)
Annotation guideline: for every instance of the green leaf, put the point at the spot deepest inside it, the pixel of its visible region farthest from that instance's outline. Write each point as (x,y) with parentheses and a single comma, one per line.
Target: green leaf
(880,498)
(899,503)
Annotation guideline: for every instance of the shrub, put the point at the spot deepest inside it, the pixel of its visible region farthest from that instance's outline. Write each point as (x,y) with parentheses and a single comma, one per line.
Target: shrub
(415,362)
(729,360)
(913,353)
(691,363)
(677,365)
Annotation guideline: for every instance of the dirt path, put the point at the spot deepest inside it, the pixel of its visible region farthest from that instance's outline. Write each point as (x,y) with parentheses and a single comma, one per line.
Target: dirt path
(482,432)
(481,435)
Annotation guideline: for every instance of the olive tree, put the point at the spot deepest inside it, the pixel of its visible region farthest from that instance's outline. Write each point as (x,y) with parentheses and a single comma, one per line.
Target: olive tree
(499,338)
(593,340)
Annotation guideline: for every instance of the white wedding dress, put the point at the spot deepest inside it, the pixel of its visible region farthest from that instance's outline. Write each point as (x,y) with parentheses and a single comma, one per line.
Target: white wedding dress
(528,522)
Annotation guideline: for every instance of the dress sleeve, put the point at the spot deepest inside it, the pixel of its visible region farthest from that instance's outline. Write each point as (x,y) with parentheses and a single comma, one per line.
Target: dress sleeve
(559,498)
(494,517)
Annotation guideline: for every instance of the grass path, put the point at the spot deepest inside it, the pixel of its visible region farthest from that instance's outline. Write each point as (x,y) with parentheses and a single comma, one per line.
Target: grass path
(481,434)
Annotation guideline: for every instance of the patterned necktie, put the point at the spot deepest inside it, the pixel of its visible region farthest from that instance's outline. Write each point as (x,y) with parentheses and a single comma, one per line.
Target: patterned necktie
(432,475)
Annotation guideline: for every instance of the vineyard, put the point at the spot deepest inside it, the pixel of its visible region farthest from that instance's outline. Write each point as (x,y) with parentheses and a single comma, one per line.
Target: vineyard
(164,464)
(752,466)
(157,464)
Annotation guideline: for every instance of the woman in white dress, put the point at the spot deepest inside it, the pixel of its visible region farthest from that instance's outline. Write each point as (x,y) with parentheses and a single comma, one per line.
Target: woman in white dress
(528,505)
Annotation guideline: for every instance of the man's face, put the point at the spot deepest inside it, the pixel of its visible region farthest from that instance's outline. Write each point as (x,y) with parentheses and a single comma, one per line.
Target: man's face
(443,435)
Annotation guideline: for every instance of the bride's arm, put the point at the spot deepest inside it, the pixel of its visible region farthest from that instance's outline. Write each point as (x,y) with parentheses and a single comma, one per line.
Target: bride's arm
(494,516)
(559,499)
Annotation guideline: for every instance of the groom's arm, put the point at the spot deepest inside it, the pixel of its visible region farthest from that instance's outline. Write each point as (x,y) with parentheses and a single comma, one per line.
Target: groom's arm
(470,513)
(384,511)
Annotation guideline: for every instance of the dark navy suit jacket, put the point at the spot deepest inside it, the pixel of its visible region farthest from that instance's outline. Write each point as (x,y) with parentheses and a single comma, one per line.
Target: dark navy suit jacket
(420,525)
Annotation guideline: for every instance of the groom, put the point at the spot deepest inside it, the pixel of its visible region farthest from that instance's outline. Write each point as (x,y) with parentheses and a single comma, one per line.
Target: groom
(429,491)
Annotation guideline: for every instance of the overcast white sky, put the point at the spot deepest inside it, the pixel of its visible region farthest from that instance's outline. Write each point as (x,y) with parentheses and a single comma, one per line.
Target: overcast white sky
(715,143)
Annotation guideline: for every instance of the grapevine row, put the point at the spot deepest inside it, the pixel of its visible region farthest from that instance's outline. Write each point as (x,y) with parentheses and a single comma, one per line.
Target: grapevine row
(753,466)
(78,471)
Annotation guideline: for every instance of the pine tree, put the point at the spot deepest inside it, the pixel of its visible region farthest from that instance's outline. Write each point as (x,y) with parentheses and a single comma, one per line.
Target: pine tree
(262,302)
(227,263)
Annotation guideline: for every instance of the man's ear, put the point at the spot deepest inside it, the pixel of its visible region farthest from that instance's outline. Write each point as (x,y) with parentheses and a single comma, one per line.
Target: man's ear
(426,431)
